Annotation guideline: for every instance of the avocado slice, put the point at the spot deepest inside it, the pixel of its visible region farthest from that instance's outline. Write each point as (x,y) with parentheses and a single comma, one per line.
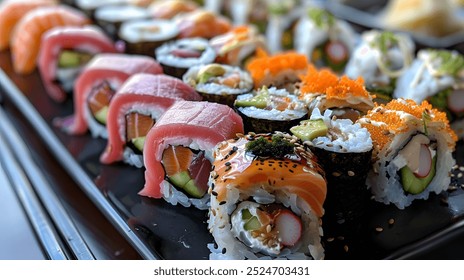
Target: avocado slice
(413,184)
(310,129)
(252,224)
(259,100)
(180,179)
(138,142)
(208,71)
(71,59)
(192,189)
(101,115)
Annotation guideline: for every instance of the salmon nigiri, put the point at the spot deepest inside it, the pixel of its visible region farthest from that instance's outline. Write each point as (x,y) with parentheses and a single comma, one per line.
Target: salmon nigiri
(26,37)
(202,23)
(11,12)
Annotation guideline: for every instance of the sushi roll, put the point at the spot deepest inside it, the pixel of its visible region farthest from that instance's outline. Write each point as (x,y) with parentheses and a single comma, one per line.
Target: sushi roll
(436,76)
(324,90)
(96,86)
(27,35)
(135,108)
(281,20)
(380,58)
(412,151)
(218,82)
(268,110)
(64,52)
(170,9)
(344,151)
(326,40)
(145,36)
(267,195)
(282,70)
(178,56)
(201,23)
(111,17)
(178,151)
(90,6)
(238,46)
(11,13)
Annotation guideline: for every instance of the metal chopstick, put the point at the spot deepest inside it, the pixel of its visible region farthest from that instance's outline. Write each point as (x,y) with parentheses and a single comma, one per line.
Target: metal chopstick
(63,222)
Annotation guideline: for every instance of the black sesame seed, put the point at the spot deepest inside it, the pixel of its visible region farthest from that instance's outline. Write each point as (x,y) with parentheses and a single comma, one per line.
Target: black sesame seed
(227,163)
(216,176)
(212,168)
(224,250)
(291,171)
(294,166)
(222,203)
(214,193)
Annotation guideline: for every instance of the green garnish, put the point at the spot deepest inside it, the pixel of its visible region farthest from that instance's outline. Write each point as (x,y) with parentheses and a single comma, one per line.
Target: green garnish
(278,147)
(321,17)
(447,62)
(384,41)
(426,118)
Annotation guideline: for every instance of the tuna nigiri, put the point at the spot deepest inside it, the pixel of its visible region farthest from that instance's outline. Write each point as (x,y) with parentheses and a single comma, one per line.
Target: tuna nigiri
(137,106)
(64,51)
(96,86)
(11,12)
(178,150)
(26,37)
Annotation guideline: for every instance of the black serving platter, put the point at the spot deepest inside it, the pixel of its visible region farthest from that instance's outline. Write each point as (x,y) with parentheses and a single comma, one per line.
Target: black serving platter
(368,14)
(158,230)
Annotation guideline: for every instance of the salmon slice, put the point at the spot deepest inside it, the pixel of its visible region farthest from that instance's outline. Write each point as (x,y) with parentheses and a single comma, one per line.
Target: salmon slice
(202,23)
(26,37)
(137,125)
(176,159)
(10,14)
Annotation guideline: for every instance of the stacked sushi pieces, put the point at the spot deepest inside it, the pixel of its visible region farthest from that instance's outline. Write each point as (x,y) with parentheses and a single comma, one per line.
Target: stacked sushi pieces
(278,147)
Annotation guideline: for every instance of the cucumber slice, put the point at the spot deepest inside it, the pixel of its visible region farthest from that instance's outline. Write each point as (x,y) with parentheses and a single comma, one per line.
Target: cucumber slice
(102,114)
(252,224)
(180,179)
(139,142)
(72,59)
(246,215)
(192,189)
(414,185)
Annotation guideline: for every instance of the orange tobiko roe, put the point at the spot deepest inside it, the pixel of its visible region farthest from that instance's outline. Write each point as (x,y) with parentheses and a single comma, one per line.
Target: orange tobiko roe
(384,120)
(263,64)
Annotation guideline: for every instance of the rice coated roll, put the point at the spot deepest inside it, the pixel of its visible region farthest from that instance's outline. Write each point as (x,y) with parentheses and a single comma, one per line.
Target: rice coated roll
(96,86)
(178,151)
(267,195)
(111,17)
(238,46)
(436,76)
(64,52)
(281,70)
(219,83)
(133,111)
(347,98)
(268,110)
(380,58)
(90,6)
(324,39)
(169,9)
(344,151)
(178,56)
(412,155)
(145,35)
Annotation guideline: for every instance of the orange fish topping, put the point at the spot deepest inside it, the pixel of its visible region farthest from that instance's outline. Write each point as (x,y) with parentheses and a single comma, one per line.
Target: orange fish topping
(385,120)
(327,82)
(264,65)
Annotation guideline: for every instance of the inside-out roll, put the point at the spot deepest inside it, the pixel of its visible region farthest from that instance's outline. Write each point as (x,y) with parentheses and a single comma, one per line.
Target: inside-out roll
(413,146)
(267,195)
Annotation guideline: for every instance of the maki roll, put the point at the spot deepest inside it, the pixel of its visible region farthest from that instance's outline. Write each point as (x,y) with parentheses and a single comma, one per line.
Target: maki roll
(27,35)
(380,58)
(344,151)
(96,86)
(178,151)
(346,98)
(268,110)
(435,76)
(135,108)
(238,46)
(412,151)
(64,52)
(267,195)
(202,23)
(170,9)
(281,19)
(144,36)
(90,6)
(282,70)
(178,56)
(326,40)
(111,17)
(218,82)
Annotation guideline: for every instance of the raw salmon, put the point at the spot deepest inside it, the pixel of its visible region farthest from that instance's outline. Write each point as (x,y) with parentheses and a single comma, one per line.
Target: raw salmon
(201,23)
(26,37)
